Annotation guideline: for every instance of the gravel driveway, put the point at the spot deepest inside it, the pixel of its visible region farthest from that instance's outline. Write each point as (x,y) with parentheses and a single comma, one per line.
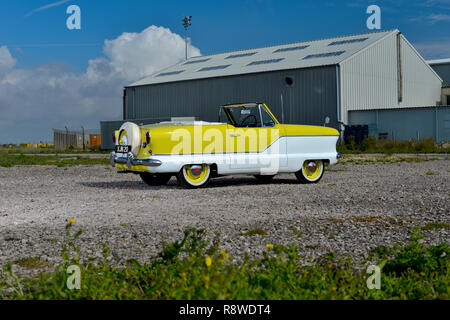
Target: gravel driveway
(354,209)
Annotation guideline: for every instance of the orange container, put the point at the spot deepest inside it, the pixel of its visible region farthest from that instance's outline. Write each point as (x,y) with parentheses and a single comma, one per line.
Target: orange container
(96,140)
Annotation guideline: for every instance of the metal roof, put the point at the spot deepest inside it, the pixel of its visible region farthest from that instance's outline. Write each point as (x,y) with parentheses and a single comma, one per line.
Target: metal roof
(298,55)
(438,61)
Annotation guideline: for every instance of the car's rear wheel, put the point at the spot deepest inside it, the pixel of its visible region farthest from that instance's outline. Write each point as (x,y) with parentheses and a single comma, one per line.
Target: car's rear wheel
(155,179)
(311,171)
(194,175)
(264,179)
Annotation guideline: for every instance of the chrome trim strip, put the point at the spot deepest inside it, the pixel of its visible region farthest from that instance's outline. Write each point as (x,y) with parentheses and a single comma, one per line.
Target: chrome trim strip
(130,160)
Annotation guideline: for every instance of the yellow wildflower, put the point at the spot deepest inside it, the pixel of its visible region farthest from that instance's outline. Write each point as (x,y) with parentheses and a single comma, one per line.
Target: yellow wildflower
(270,246)
(208,261)
(71,221)
(224,254)
(222,261)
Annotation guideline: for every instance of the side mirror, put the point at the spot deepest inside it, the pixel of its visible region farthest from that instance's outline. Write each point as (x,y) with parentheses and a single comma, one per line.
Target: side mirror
(327,121)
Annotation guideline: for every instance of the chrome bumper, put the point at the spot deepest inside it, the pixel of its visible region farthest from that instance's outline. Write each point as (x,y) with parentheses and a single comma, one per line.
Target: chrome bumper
(130,160)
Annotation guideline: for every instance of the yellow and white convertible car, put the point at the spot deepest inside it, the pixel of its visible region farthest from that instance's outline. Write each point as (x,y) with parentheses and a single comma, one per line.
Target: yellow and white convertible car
(248,139)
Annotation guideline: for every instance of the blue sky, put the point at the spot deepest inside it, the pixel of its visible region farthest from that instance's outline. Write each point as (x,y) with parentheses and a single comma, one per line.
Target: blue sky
(38,39)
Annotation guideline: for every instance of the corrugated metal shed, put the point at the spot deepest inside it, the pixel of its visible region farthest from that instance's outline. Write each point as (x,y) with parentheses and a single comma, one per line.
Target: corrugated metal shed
(388,74)
(297,55)
(302,83)
(442,68)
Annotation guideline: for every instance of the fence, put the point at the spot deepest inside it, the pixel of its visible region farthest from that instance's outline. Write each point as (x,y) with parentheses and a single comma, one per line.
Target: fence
(405,123)
(65,139)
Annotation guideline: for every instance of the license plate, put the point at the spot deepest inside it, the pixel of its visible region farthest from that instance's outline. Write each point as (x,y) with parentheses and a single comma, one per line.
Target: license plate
(123,149)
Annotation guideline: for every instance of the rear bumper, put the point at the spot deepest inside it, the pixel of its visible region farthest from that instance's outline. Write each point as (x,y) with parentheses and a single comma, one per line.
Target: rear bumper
(130,160)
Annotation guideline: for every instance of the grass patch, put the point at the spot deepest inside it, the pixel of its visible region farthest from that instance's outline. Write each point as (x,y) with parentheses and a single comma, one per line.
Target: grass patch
(33,263)
(9,160)
(368,220)
(435,225)
(196,268)
(431,173)
(374,145)
(253,232)
(385,159)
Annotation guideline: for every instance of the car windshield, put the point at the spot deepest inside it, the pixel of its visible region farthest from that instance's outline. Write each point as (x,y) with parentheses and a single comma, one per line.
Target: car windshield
(248,115)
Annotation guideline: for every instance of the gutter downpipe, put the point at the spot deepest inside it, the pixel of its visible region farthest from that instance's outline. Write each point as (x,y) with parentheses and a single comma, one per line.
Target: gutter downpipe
(338,102)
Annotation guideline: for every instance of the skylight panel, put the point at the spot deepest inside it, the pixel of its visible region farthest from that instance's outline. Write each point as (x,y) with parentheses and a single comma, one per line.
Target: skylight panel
(240,55)
(335,43)
(255,63)
(197,61)
(291,49)
(324,55)
(163,74)
(214,68)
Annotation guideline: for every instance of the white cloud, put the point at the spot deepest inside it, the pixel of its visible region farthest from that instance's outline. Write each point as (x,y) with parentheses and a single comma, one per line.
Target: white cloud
(35,100)
(6,60)
(130,53)
(435,18)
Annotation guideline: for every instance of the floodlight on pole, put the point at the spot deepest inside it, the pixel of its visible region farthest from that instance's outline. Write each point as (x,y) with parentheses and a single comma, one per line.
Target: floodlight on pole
(186,23)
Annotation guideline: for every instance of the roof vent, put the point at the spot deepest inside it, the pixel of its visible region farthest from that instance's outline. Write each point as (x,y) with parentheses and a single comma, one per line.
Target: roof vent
(324,55)
(196,61)
(335,43)
(291,49)
(214,68)
(240,55)
(169,73)
(255,63)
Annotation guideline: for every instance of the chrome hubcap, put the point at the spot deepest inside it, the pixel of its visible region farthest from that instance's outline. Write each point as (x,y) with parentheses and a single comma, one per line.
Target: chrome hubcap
(196,170)
(312,167)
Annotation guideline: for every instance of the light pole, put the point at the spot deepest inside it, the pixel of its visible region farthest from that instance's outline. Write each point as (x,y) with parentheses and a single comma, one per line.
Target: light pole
(186,23)
(82,133)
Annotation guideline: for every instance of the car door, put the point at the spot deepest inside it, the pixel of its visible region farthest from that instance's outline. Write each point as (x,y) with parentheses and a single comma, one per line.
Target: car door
(258,149)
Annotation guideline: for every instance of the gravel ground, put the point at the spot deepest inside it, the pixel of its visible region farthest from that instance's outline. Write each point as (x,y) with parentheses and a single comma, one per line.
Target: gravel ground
(354,209)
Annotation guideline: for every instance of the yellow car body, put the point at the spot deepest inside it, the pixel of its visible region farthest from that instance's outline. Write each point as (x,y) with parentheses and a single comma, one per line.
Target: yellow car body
(259,145)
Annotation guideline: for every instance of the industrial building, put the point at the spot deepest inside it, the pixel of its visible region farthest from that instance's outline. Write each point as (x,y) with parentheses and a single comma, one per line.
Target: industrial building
(376,78)
(442,68)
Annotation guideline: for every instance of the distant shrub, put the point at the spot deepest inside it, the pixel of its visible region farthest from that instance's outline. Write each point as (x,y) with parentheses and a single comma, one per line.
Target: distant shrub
(374,145)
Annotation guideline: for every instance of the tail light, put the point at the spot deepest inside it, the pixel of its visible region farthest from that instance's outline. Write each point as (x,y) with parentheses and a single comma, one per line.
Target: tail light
(147,137)
(114,138)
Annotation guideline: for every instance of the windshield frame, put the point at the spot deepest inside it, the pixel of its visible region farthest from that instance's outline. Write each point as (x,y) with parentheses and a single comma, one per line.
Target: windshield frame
(232,121)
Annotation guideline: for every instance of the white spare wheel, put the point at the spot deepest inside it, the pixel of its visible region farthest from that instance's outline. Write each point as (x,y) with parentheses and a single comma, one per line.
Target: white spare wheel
(130,135)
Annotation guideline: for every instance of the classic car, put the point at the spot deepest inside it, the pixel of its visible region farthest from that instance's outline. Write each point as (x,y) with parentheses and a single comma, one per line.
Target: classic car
(247,139)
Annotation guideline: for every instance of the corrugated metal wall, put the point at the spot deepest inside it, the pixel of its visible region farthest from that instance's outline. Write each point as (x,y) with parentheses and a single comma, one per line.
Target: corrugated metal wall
(309,100)
(443,70)
(369,80)
(407,123)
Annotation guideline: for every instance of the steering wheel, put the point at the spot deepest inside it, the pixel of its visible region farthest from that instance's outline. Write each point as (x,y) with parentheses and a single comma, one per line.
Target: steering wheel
(247,117)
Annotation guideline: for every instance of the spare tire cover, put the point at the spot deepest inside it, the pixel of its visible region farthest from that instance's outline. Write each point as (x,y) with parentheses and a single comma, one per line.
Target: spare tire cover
(134,136)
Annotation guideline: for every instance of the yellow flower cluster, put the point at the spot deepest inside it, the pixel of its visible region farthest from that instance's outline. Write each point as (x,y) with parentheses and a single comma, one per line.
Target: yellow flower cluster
(208,261)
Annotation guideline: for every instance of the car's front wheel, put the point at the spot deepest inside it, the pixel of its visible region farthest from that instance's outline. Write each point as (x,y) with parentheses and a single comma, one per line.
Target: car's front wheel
(311,171)
(155,179)
(194,175)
